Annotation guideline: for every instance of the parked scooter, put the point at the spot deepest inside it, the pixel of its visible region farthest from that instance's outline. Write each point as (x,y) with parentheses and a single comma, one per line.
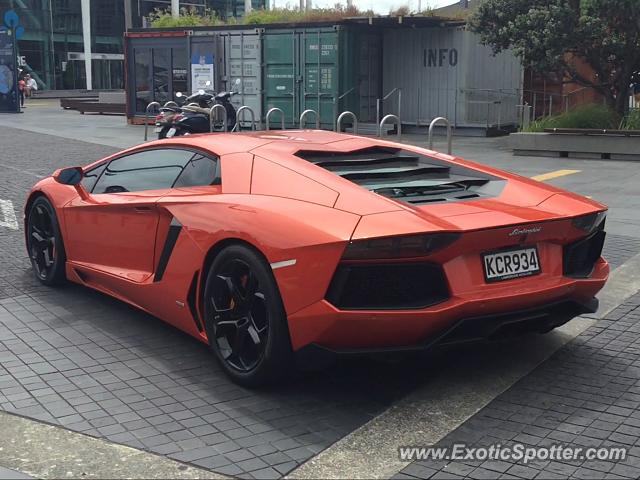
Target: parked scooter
(165,119)
(194,114)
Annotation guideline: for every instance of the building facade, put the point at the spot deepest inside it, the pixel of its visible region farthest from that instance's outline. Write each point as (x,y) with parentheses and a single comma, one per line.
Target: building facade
(52,49)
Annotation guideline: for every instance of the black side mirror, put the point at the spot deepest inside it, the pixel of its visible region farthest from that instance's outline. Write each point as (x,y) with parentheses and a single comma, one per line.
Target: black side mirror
(69,176)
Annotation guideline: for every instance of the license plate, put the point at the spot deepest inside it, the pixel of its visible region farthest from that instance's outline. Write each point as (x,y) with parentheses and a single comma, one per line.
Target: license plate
(510,264)
(171,132)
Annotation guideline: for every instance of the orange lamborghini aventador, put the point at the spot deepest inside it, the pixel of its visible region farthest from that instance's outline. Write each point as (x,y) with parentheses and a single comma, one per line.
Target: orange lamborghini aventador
(275,246)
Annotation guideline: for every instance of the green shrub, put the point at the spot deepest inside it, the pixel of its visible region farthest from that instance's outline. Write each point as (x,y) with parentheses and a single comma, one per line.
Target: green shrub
(586,116)
(289,15)
(631,121)
(188,18)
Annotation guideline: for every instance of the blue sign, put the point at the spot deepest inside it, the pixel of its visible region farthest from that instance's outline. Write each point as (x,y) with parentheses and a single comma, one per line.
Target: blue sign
(11,19)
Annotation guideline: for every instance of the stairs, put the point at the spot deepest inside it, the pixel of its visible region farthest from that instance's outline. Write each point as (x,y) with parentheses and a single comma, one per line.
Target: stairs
(371,129)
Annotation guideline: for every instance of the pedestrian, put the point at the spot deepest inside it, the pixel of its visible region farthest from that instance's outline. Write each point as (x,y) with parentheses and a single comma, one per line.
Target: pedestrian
(22,85)
(32,84)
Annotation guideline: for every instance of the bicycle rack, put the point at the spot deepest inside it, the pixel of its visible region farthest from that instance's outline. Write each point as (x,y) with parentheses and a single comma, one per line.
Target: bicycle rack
(385,120)
(170,103)
(269,113)
(244,108)
(307,112)
(212,117)
(347,114)
(449,133)
(146,118)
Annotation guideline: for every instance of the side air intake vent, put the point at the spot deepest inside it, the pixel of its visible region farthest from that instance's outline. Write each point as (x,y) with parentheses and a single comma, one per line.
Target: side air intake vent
(406,176)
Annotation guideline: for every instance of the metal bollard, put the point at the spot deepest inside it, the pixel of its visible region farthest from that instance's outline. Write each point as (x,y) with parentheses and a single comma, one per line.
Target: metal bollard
(342,116)
(212,117)
(307,112)
(244,108)
(449,132)
(388,118)
(146,118)
(269,113)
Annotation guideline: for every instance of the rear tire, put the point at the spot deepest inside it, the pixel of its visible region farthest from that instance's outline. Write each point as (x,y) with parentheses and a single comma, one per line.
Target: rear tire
(44,243)
(245,320)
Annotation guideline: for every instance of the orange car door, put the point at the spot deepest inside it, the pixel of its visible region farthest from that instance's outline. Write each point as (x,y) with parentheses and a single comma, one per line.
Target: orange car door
(114,228)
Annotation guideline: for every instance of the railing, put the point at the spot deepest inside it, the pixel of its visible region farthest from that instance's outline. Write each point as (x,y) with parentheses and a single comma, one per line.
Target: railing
(146,118)
(271,112)
(379,103)
(212,117)
(307,112)
(342,116)
(449,132)
(241,110)
(387,118)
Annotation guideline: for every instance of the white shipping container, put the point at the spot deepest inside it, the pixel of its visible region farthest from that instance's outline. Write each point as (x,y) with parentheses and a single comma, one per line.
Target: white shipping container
(447,72)
(242,53)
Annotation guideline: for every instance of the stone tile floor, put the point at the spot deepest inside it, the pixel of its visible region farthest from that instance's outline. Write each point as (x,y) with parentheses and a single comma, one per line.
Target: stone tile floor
(79,359)
(586,395)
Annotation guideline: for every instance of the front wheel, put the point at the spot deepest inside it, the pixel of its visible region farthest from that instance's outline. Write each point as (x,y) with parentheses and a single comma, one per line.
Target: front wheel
(245,319)
(44,243)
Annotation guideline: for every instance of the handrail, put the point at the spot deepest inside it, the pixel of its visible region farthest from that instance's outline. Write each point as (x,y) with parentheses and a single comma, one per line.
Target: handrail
(212,117)
(380,100)
(385,119)
(449,132)
(244,108)
(346,114)
(395,89)
(307,112)
(146,118)
(346,93)
(274,110)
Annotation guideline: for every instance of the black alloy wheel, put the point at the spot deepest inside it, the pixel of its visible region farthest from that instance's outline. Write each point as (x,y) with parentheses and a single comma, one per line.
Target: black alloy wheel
(44,243)
(246,324)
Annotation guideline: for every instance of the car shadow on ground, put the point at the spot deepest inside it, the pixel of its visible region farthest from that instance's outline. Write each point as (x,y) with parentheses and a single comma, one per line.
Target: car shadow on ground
(81,359)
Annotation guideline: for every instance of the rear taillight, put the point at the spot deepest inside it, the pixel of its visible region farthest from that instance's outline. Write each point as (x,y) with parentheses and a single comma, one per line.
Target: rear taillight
(590,223)
(409,246)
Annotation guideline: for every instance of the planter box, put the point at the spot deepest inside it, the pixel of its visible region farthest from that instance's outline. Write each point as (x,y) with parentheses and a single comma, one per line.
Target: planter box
(577,145)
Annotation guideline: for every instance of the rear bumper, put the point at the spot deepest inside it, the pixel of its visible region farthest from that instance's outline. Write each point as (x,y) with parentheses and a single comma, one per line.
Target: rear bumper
(468,330)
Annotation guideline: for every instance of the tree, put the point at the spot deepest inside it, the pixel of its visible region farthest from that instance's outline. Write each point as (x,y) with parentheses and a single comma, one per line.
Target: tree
(550,35)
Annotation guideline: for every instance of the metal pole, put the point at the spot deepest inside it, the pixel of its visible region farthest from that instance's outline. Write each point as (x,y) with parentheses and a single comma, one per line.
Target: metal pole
(550,105)
(146,117)
(175,8)
(85,6)
(247,6)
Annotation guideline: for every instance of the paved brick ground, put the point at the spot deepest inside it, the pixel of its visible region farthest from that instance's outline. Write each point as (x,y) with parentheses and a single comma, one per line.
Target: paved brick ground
(94,365)
(586,395)
(26,157)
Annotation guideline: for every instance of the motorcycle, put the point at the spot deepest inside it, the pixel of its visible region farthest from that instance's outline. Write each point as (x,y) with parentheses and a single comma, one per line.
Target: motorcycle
(164,120)
(194,115)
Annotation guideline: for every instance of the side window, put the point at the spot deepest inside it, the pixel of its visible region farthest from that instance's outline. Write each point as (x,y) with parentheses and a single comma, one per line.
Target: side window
(148,170)
(91,177)
(199,172)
